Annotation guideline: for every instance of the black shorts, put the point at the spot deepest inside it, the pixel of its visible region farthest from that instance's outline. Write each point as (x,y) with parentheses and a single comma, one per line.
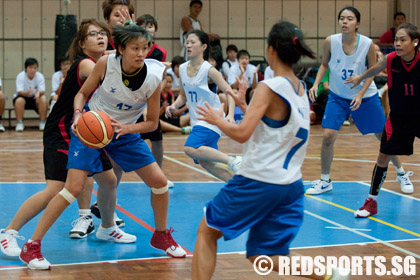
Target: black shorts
(155,135)
(55,164)
(399,134)
(176,121)
(30,103)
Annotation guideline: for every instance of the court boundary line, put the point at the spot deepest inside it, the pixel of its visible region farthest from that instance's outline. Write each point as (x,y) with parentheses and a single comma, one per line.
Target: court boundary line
(371,218)
(191,167)
(386,243)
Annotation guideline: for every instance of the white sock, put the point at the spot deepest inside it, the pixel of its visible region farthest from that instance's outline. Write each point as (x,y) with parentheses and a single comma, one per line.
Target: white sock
(109,228)
(400,171)
(325,177)
(374,197)
(84,212)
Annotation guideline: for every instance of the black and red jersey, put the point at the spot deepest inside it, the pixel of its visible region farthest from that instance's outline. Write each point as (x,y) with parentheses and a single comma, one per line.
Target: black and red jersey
(403,85)
(57,128)
(157,52)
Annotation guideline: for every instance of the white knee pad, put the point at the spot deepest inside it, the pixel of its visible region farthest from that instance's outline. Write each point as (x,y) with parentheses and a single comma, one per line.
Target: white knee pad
(67,195)
(160,190)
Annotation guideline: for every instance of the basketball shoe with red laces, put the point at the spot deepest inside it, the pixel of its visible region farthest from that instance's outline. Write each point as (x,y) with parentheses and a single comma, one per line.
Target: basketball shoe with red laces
(31,254)
(165,242)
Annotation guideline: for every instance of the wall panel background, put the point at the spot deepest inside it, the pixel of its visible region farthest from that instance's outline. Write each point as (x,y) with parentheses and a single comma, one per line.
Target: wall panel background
(27,26)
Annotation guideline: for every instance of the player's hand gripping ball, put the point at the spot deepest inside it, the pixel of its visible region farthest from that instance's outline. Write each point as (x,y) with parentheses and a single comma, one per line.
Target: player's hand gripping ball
(94,129)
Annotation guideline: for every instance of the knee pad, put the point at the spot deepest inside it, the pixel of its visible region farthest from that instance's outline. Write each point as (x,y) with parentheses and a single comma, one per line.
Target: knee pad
(67,195)
(160,190)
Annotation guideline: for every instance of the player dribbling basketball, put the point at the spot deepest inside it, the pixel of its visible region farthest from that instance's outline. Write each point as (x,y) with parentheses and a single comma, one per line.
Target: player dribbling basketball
(128,83)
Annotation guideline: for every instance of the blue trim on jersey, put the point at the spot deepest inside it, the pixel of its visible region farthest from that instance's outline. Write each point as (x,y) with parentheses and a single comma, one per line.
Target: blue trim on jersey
(280,123)
(293,86)
(275,123)
(273,213)
(358,39)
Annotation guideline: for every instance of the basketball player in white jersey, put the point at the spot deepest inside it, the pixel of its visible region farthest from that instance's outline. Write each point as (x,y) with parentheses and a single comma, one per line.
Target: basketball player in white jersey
(347,54)
(266,195)
(201,144)
(127,84)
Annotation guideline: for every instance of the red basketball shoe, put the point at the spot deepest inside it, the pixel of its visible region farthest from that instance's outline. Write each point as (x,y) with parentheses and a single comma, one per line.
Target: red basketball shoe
(31,254)
(165,242)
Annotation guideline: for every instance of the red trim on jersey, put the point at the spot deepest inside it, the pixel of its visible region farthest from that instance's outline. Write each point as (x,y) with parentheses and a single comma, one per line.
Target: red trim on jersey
(170,93)
(111,42)
(66,152)
(156,46)
(412,64)
(62,128)
(388,129)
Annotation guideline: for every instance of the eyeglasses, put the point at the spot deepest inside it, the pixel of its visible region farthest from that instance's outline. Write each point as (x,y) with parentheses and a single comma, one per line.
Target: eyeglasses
(94,33)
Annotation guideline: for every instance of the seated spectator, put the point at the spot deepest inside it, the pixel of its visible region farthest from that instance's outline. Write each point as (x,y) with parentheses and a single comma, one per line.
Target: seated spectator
(268,73)
(179,121)
(244,70)
(231,52)
(387,39)
(30,89)
(2,102)
(149,23)
(57,80)
(174,72)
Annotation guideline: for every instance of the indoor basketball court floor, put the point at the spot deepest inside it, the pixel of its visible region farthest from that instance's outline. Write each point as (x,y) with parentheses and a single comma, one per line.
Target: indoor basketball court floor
(329,226)
(328,221)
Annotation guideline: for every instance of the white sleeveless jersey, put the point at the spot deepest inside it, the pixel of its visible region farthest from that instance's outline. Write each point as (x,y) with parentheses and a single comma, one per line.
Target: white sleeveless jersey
(120,102)
(343,66)
(275,151)
(197,92)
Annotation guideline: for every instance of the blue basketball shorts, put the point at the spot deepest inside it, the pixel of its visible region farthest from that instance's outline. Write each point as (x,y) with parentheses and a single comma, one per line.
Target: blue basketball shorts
(368,118)
(273,213)
(202,136)
(129,151)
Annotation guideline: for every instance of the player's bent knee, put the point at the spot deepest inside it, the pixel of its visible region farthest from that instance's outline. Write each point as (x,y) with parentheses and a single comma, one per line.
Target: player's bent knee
(190,151)
(67,195)
(160,190)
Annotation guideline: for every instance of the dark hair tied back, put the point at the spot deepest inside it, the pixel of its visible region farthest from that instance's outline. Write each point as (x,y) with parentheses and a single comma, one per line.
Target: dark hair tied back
(287,39)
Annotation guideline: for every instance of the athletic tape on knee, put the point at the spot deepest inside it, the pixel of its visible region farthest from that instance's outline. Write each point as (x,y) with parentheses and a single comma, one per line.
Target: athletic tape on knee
(160,190)
(67,195)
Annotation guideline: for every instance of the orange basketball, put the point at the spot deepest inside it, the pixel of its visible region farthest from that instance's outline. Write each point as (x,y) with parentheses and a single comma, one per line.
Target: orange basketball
(94,129)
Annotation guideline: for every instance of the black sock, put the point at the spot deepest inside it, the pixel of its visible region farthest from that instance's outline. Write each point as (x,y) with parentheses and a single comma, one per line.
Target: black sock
(378,178)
